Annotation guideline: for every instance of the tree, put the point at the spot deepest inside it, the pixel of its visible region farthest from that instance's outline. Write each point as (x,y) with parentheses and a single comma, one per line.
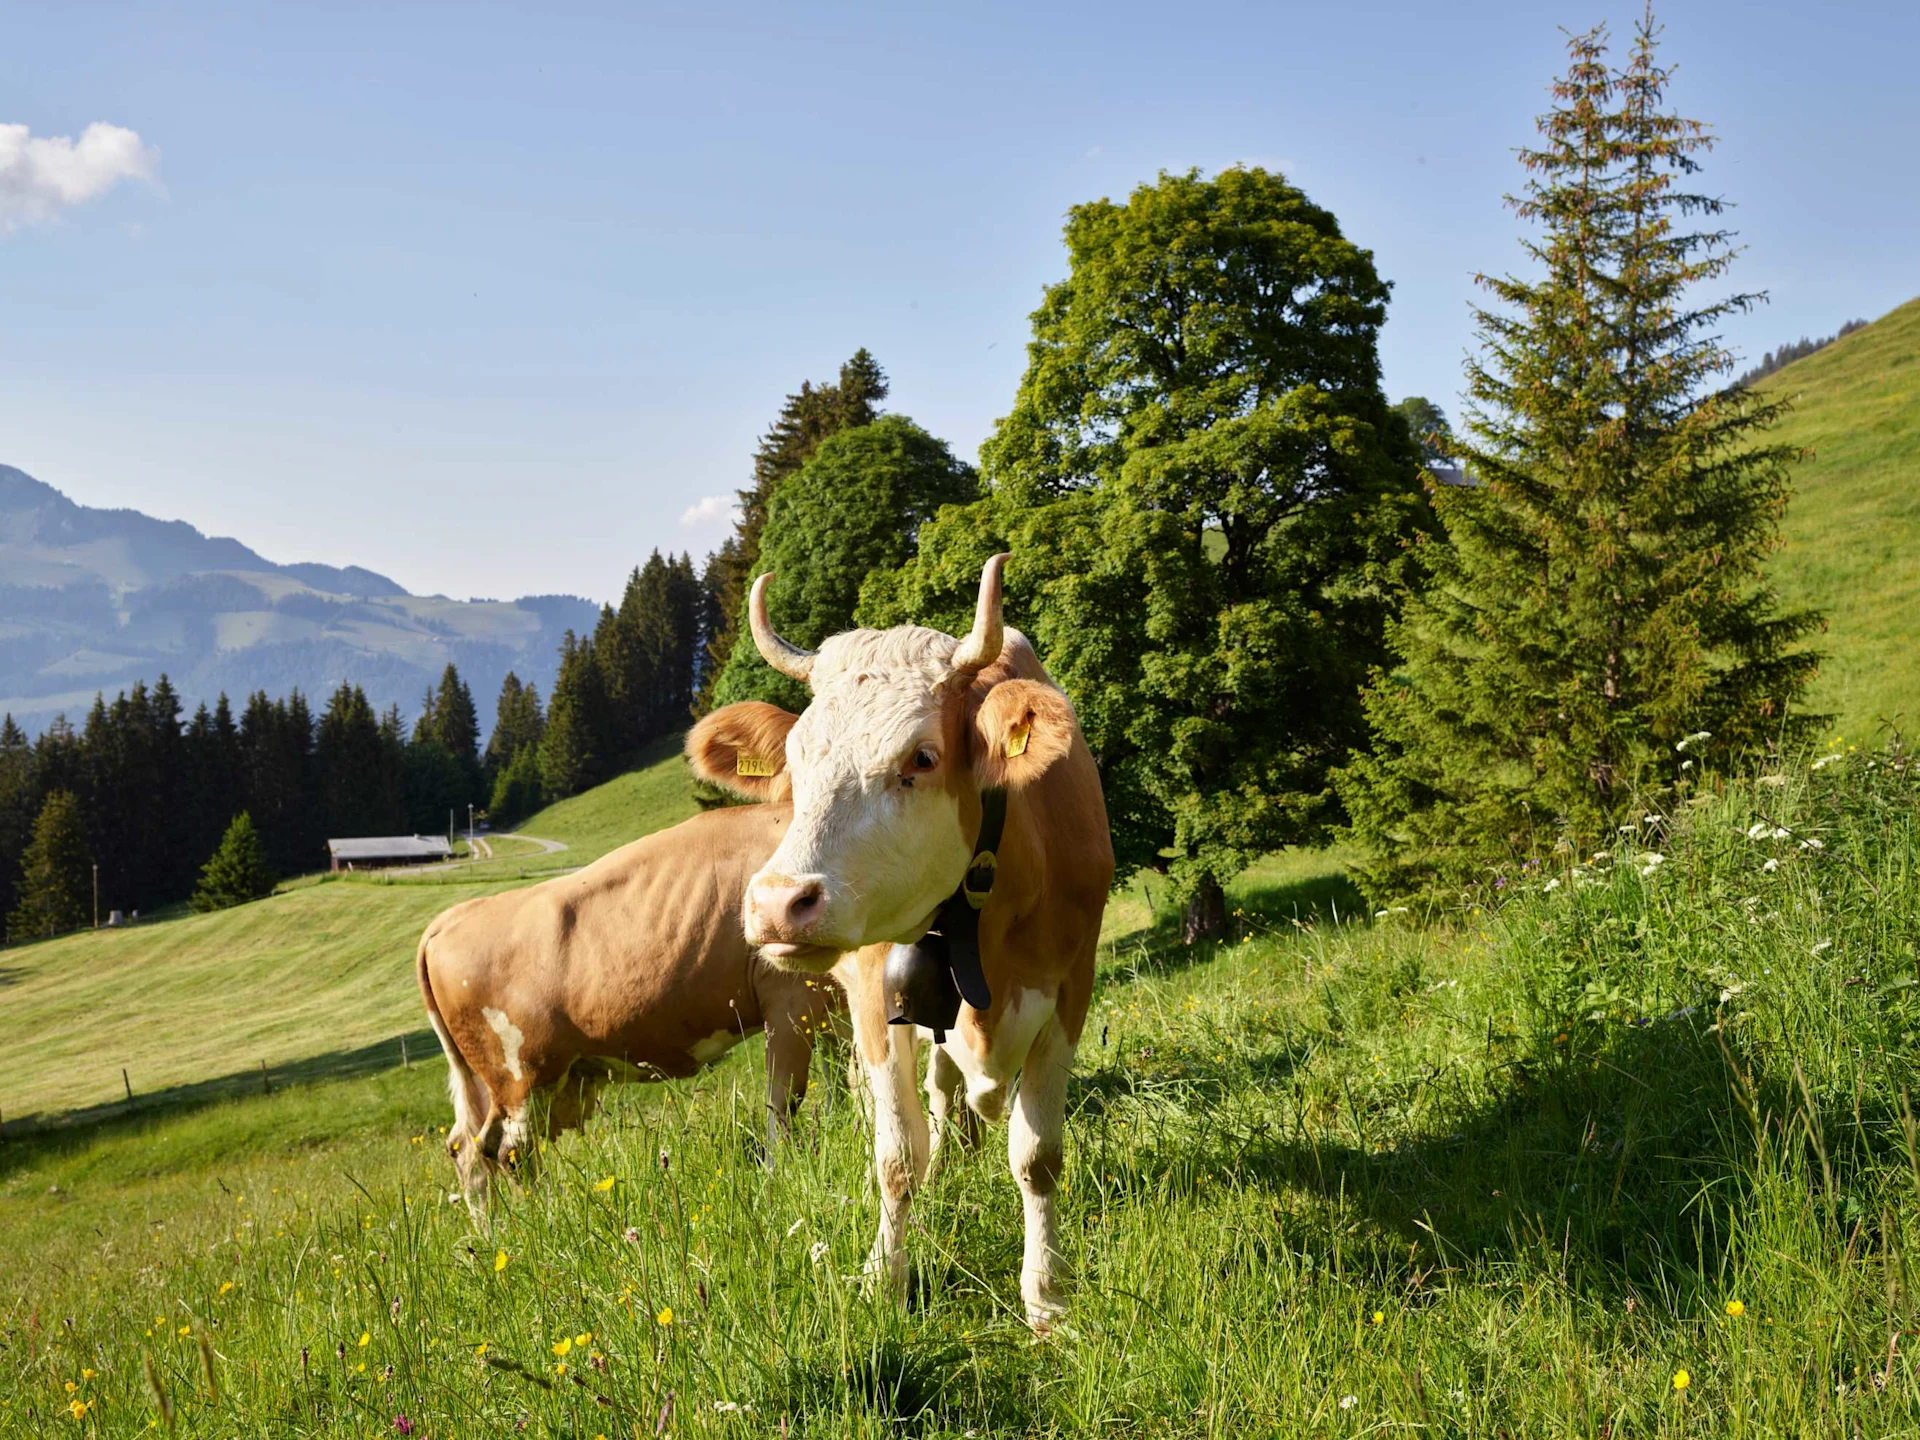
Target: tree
(1208,501)
(456,724)
(1595,622)
(19,804)
(806,419)
(358,771)
(1427,423)
(854,508)
(277,780)
(573,746)
(237,871)
(517,790)
(517,723)
(56,873)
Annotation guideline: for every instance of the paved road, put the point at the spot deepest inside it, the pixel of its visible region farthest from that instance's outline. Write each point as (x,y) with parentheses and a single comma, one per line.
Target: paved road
(547,847)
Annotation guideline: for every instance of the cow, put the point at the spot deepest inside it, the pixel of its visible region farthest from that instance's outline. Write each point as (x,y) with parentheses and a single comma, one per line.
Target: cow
(913,742)
(635,967)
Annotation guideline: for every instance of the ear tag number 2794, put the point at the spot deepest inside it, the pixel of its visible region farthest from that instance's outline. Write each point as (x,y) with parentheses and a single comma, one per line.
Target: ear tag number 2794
(751,765)
(1017,740)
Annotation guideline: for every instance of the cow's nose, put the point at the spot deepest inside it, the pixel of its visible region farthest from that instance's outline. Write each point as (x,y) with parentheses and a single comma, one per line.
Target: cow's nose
(789,905)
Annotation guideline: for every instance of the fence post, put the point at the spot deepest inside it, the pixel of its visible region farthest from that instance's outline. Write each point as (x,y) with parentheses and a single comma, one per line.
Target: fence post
(266,1086)
(404,1062)
(128,1083)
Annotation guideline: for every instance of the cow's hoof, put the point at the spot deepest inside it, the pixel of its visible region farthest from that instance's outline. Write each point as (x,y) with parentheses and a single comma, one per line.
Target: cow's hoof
(885,1277)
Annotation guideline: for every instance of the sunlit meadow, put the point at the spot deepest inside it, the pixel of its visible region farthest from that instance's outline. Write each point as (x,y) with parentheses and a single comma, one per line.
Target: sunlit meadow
(1622,1147)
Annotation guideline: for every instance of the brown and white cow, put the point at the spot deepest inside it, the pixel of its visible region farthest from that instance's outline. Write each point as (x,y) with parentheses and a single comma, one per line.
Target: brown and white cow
(887,768)
(634,968)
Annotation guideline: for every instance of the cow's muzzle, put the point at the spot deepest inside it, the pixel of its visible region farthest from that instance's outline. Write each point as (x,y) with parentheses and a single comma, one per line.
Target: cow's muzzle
(784,915)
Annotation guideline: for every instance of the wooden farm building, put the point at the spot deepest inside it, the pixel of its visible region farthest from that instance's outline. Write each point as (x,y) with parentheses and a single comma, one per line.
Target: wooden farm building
(378,852)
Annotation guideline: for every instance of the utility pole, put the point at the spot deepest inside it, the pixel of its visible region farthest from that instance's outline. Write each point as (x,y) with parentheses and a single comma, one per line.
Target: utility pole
(96,895)
(469,827)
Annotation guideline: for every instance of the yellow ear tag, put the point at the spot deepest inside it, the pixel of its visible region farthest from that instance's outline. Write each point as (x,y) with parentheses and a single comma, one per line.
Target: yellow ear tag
(1017,741)
(751,765)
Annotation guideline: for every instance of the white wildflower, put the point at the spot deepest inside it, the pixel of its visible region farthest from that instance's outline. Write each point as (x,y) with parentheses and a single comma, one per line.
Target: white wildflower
(817,1251)
(1552,885)
(1686,765)
(1823,945)
(1347,1402)
(795,1227)
(731,1407)
(1771,866)
(1600,857)
(1812,843)
(1651,862)
(1694,739)
(1826,760)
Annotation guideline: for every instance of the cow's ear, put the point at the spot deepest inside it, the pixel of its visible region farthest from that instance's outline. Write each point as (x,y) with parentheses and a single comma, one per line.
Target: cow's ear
(743,748)
(1021,728)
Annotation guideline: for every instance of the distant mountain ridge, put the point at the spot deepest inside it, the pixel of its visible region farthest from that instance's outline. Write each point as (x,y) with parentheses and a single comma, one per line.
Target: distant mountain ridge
(94,599)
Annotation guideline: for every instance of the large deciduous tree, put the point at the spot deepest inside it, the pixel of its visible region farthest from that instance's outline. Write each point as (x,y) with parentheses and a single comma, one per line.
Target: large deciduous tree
(1223,500)
(854,508)
(806,419)
(1595,619)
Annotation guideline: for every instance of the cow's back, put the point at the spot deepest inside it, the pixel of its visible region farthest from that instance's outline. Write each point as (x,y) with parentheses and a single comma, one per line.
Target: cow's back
(638,957)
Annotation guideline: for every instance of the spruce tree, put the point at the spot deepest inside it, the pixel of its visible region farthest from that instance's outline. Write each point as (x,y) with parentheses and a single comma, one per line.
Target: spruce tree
(19,803)
(456,724)
(56,874)
(237,871)
(573,752)
(1595,622)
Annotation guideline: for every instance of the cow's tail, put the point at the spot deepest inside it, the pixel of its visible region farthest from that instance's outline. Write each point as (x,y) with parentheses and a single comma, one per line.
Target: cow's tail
(470,1098)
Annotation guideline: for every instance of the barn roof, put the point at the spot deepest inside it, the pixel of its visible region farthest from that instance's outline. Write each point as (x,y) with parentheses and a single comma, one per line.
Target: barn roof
(391,847)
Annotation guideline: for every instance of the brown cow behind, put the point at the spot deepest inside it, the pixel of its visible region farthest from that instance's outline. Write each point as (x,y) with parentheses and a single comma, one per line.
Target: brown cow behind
(633,968)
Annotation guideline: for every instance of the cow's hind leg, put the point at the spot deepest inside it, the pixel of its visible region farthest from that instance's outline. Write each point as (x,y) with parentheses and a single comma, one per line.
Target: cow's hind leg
(1035,1150)
(947,1105)
(789,1057)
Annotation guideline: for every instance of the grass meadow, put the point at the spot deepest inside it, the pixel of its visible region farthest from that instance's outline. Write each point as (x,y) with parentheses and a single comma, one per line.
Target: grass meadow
(1627,1149)
(1849,533)
(315,980)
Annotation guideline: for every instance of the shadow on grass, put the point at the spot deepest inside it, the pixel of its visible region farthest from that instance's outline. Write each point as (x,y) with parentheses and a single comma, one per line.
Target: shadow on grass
(916,1386)
(30,1135)
(1622,1162)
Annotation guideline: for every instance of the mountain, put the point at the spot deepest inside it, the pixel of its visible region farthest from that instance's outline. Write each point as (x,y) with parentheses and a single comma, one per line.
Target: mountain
(92,600)
(1852,533)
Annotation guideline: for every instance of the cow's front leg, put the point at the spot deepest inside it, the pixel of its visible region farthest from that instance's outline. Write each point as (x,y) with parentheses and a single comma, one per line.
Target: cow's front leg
(899,1154)
(1035,1150)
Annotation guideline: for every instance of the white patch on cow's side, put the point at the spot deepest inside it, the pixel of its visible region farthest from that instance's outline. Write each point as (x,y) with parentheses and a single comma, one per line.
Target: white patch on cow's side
(705,1052)
(990,1071)
(510,1038)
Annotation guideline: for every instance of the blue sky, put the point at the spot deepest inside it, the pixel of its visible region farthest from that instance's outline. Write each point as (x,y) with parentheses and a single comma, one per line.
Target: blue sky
(486,298)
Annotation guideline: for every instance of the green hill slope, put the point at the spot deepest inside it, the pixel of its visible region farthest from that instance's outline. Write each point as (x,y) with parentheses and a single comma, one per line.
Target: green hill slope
(305,981)
(1852,532)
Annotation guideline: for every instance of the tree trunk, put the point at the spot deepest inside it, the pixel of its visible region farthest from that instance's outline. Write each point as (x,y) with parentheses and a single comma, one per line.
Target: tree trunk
(1206,917)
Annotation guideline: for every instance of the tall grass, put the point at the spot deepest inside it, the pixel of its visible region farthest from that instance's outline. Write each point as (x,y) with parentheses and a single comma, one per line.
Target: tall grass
(1509,1171)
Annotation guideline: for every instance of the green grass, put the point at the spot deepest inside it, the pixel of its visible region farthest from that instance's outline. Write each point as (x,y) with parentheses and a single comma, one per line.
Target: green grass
(316,978)
(1852,534)
(1493,1172)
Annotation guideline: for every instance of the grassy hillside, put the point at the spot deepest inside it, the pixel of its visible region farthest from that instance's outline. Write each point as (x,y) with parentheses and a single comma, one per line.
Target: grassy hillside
(1629,1154)
(314,978)
(1853,530)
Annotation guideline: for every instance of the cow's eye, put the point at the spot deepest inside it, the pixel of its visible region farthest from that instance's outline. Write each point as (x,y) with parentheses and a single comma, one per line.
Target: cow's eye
(923,761)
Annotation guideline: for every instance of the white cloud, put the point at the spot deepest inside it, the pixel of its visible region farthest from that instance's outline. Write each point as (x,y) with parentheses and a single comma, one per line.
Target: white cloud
(708,511)
(41,177)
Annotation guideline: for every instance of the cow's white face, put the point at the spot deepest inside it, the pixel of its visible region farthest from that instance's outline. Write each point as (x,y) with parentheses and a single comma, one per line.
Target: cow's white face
(885,807)
(885,770)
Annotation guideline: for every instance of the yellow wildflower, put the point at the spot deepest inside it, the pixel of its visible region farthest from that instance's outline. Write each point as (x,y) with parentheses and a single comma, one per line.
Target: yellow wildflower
(499,1262)
(604,1185)
(78,1409)
(585,1337)
(1681,1379)
(1736,1309)
(226,1287)
(562,1346)
(366,1338)
(88,1374)
(665,1317)
(1379,1317)
(481,1348)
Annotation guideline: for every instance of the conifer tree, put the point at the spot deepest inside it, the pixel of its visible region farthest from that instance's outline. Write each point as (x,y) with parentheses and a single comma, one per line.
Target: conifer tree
(360,788)
(237,871)
(517,723)
(573,750)
(56,874)
(806,419)
(1595,621)
(19,803)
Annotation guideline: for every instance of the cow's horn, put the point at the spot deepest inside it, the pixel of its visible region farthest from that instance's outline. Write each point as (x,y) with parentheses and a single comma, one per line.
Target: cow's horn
(787,659)
(983,646)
